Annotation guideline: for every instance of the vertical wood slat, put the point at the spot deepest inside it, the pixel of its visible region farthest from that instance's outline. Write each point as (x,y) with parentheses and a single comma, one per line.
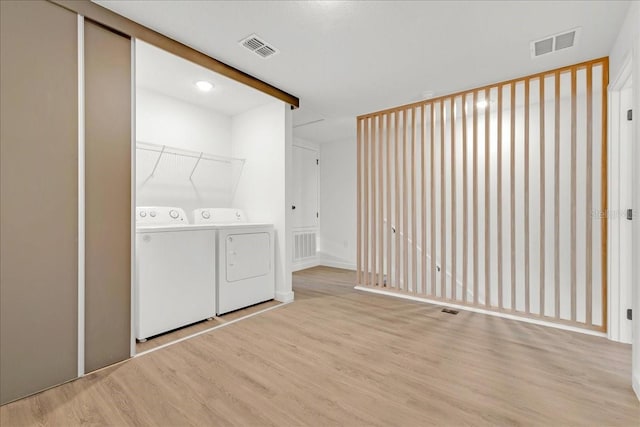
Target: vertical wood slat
(512,190)
(396,143)
(475,196)
(465,202)
(380,202)
(374,208)
(388,204)
(414,237)
(589,202)
(443,207)
(487,199)
(415,115)
(573,194)
(366,203)
(359,203)
(527,275)
(499,199)
(454,267)
(556,197)
(604,191)
(423,198)
(542,196)
(432,216)
(405,213)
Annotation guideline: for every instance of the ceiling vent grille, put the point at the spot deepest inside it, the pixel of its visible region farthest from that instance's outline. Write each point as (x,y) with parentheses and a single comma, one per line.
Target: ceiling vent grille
(258,46)
(554,43)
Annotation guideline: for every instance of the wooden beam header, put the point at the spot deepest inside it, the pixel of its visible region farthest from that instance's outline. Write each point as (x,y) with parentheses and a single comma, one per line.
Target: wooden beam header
(108,18)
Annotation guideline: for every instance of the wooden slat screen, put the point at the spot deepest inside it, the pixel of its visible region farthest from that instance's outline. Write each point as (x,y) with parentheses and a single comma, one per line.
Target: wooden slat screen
(492,197)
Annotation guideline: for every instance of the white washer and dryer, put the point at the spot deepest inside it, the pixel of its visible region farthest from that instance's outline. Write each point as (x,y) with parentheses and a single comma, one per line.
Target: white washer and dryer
(245,261)
(175,280)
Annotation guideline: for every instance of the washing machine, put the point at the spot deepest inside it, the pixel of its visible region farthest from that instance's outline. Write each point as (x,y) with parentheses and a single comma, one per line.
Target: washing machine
(245,258)
(175,283)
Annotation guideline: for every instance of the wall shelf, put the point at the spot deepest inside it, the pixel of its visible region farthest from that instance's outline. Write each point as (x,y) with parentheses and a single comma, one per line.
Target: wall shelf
(163,150)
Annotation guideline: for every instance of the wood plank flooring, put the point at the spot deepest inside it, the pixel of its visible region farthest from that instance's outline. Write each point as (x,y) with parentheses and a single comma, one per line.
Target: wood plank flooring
(338,356)
(177,334)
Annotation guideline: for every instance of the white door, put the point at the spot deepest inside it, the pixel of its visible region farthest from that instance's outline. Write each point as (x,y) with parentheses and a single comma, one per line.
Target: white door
(305,188)
(626,201)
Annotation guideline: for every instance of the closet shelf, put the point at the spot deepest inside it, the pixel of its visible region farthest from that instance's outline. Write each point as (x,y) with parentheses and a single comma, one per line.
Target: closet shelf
(198,155)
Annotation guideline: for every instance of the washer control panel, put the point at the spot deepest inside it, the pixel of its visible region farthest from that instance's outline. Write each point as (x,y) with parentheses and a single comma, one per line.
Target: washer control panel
(219,216)
(160,215)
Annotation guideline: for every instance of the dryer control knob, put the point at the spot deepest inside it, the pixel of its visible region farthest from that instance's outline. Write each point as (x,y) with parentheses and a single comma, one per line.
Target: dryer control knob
(143,214)
(174,214)
(153,214)
(206,214)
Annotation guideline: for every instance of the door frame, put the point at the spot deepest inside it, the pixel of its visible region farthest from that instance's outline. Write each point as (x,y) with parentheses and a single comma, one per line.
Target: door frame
(617,209)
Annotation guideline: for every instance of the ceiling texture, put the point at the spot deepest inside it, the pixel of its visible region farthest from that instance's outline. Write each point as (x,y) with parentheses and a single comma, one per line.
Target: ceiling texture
(346,58)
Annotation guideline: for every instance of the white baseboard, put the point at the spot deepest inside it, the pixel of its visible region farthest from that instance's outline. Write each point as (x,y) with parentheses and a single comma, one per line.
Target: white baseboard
(636,385)
(482,311)
(338,264)
(334,261)
(303,265)
(284,297)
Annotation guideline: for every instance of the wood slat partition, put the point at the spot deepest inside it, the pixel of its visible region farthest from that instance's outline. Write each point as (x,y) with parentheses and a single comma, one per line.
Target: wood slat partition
(374,211)
(474,254)
(527,275)
(487,206)
(396,224)
(388,230)
(465,202)
(414,235)
(423,198)
(380,200)
(448,187)
(359,196)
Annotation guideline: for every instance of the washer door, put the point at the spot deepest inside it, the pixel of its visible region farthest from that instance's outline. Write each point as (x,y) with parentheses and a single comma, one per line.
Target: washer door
(248,256)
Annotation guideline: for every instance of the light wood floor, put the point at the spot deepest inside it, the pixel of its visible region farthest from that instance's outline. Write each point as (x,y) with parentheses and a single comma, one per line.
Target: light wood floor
(201,326)
(342,357)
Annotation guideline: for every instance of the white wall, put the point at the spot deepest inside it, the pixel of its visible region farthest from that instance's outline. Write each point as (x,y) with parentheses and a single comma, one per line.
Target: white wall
(338,204)
(628,43)
(168,121)
(262,136)
(164,120)
(305,143)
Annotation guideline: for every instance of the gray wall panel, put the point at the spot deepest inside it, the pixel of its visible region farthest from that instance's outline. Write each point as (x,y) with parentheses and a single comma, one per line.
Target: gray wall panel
(108,197)
(38,197)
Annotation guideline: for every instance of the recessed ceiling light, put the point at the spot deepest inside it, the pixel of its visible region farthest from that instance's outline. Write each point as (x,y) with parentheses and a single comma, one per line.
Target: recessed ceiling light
(481,104)
(204,85)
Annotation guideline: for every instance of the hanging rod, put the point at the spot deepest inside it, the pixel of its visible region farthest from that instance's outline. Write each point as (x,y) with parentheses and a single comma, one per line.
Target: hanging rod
(167,149)
(198,155)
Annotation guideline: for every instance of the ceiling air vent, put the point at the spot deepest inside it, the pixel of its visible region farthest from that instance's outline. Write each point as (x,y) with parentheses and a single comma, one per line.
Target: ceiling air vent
(554,43)
(258,46)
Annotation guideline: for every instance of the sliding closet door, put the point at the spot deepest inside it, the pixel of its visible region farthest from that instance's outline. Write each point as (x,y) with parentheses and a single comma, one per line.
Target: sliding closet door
(39,197)
(107,197)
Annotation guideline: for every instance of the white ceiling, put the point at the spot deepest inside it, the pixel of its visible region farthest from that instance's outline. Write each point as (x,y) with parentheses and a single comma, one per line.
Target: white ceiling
(173,76)
(348,58)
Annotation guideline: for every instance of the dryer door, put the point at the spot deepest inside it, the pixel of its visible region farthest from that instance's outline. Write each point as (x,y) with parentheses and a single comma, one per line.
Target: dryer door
(248,255)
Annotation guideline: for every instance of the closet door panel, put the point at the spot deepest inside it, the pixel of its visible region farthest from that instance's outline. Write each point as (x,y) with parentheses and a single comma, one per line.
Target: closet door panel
(39,197)
(107,197)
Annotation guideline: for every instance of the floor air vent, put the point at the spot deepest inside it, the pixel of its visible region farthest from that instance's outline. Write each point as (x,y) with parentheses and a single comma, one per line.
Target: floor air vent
(554,43)
(258,46)
(304,245)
